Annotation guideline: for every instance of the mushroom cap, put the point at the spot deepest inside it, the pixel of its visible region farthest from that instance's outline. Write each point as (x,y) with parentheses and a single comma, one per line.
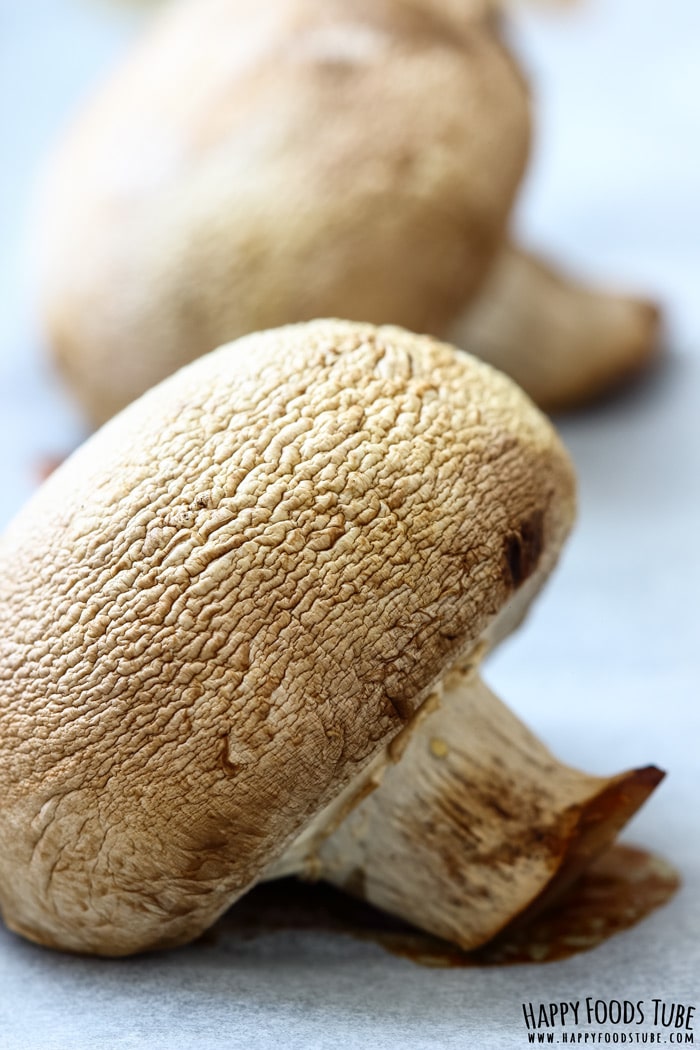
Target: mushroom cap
(225,603)
(260,162)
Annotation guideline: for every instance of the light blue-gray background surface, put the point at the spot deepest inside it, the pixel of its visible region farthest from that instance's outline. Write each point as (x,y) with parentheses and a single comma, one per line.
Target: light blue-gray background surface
(605,669)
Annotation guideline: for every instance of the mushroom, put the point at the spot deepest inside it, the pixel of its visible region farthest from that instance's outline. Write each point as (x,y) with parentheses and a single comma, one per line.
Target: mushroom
(255,164)
(251,592)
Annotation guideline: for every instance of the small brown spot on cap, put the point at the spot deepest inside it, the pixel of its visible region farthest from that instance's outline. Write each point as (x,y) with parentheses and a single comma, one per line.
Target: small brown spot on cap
(523,548)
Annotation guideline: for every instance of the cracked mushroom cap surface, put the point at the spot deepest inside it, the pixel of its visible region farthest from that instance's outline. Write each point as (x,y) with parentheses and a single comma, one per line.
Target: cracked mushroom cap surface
(259,162)
(239,590)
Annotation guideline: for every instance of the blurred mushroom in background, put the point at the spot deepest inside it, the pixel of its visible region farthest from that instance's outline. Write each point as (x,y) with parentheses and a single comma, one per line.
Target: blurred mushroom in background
(255,164)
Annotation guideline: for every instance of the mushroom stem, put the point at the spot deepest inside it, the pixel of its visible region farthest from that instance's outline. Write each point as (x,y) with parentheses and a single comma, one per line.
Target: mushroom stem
(562,341)
(476,825)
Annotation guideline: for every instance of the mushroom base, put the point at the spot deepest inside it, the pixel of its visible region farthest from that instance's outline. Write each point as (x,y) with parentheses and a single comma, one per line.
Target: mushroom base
(563,342)
(476,826)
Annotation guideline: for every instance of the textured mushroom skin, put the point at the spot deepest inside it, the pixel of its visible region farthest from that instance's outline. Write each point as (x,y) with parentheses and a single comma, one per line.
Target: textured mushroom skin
(258,163)
(230,598)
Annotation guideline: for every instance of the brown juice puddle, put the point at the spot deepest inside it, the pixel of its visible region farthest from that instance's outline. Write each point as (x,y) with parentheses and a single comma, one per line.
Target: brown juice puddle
(616,892)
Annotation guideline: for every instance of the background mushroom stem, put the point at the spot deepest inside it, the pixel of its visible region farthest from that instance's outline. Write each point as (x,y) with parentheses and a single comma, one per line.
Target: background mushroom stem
(477,825)
(563,341)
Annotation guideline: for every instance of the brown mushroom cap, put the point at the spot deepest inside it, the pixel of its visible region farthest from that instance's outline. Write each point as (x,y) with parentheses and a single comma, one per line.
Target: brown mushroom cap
(259,163)
(220,608)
